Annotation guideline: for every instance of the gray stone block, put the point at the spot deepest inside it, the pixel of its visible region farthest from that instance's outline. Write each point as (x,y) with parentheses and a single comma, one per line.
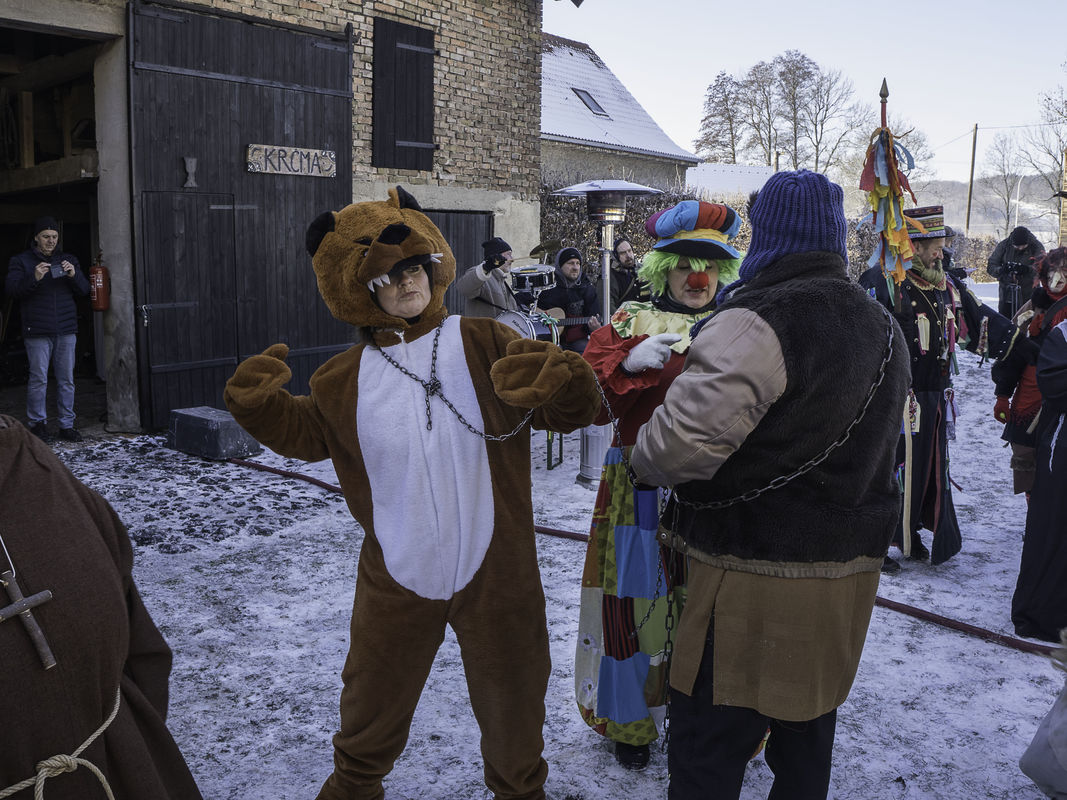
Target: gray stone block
(209,433)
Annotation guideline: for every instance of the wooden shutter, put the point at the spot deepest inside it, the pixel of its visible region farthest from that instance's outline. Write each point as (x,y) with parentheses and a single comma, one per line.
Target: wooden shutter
(403,96)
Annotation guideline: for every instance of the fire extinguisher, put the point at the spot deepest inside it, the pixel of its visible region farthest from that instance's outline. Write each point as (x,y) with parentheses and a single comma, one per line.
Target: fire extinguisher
(99,286)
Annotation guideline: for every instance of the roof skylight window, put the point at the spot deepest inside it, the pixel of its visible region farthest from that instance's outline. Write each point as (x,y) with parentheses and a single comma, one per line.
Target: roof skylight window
(590,103)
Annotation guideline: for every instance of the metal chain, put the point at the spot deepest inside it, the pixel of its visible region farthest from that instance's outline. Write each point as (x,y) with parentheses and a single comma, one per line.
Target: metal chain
(668,653)
(433,387)
(782,480)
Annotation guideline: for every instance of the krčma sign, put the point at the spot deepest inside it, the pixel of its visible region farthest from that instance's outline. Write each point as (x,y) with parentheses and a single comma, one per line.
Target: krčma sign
(278,160)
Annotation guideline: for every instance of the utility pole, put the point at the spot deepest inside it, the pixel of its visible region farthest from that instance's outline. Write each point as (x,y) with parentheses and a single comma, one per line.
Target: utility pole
(970,182)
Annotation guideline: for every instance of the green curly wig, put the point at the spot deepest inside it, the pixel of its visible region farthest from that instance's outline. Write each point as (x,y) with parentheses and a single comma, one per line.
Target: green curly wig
(657,264)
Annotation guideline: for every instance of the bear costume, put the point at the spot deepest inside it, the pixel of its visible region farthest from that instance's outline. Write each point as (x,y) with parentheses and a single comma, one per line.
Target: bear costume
(447,513)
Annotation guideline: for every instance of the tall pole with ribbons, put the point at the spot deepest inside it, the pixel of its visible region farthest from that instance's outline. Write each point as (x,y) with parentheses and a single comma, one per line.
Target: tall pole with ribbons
(885,184)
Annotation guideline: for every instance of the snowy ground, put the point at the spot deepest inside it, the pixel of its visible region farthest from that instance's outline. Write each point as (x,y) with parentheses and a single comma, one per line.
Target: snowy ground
(250,576)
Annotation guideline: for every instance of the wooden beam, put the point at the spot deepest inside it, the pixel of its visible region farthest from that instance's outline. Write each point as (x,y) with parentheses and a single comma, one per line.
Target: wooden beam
(10,64)
(51,173)
(52,70)
(26,129)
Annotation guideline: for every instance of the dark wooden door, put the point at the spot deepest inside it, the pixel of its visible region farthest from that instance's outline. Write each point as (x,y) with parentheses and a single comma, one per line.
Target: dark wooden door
(189,317)
(464,231)
(204,88)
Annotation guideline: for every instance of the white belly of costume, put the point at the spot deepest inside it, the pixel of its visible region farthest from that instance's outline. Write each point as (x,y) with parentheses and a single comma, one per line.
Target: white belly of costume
(431,489)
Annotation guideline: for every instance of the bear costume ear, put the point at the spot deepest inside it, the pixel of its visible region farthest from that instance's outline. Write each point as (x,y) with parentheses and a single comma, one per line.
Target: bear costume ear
(317,230)
(405,200)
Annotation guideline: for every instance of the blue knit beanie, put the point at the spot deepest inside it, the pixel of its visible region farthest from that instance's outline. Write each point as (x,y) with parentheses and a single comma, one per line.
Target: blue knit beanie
(795,212)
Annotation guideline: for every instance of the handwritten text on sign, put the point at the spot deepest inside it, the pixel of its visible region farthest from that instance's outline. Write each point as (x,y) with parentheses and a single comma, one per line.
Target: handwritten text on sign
(279,160)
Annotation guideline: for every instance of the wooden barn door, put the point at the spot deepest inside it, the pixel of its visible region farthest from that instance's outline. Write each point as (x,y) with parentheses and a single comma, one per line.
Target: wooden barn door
(222,272)
(189,315)
(464,231)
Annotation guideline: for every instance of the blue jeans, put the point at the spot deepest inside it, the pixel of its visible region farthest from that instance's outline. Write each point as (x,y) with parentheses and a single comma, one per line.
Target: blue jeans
(60,351)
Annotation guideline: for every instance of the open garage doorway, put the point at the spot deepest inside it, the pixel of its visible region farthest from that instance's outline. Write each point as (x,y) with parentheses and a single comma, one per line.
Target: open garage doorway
(48,166)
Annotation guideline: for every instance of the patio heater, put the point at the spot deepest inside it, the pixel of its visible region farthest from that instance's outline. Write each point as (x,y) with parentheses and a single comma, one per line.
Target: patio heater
(606,206)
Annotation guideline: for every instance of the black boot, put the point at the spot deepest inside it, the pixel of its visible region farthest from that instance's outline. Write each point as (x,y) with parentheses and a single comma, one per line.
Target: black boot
(890,566)
(631,756)
(919,551)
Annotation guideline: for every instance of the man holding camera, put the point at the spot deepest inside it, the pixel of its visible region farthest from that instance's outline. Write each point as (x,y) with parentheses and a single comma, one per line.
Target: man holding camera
(1012,263)
(45,280)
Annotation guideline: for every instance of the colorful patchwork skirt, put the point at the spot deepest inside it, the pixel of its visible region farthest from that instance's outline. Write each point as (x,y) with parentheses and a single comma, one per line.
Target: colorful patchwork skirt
(628,584)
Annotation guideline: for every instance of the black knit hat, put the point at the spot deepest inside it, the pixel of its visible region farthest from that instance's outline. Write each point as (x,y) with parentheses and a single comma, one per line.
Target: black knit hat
(45,224)
(566,254)
(1020,236)
(495,247)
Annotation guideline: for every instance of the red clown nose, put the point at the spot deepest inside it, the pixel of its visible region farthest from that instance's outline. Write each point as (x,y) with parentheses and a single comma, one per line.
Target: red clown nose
(697,280)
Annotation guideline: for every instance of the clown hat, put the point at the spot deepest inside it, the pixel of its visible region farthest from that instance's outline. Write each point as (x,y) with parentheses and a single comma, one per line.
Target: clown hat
(695,229)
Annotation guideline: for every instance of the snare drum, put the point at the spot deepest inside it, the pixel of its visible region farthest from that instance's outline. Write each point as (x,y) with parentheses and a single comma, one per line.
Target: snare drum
(536,277)
(518,322)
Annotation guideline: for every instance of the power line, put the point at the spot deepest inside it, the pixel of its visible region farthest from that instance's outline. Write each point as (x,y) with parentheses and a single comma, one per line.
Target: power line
(970,131)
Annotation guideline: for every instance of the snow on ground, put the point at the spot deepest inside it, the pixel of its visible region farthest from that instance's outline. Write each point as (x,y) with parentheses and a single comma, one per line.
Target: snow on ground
(251,575)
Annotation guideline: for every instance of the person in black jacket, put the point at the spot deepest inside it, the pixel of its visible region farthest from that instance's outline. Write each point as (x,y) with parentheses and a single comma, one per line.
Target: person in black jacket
(939,317)
(45,280)
(625,285)
(572,300)
(1039,604)
(1012,263)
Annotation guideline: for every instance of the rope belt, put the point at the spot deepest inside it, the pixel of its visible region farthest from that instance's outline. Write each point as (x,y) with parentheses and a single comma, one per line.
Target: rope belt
(57,765)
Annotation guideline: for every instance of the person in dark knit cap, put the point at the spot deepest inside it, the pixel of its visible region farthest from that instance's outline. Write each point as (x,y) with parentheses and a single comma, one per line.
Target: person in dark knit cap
(486,285)
(1012,263)
(783,560)
(573,298)
(45,280)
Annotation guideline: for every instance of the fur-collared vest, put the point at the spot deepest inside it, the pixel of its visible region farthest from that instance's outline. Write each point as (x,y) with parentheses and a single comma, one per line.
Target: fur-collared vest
(834,341)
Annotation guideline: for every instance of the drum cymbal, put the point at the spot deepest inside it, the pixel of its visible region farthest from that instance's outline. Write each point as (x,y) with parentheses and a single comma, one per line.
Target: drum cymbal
(543,248)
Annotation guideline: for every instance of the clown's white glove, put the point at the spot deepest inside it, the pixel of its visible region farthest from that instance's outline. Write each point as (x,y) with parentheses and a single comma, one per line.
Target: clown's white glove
(652,353)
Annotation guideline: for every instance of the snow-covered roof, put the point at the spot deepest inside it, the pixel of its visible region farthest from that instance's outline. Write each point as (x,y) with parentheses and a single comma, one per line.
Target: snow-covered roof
(726,179)
(571,76)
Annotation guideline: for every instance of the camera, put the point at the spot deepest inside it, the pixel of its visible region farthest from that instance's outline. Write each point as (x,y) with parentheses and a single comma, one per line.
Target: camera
(57,271)
(1014,267)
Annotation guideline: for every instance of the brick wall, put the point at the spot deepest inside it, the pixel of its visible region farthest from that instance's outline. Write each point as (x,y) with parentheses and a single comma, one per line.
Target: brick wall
(487,116)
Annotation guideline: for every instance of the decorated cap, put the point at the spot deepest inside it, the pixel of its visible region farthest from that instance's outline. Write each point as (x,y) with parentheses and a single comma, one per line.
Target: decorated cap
(696,229)
(931,221)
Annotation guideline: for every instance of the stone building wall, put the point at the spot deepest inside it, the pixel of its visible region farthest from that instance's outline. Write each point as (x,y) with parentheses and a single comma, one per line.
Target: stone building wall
(564,163)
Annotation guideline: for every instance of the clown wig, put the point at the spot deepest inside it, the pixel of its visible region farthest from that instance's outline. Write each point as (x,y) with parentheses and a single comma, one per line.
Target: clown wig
(657,264)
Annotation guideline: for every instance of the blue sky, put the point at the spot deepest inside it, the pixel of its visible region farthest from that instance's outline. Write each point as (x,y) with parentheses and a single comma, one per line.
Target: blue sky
(949,64)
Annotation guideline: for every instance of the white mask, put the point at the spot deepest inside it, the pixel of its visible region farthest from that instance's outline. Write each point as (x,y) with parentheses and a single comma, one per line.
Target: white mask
(1056,282)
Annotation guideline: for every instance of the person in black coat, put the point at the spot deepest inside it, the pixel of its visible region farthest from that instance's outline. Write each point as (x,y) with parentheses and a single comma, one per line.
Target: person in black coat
(1012,263)
(938,316)
(45,280)
(1039,605)
(625,284)
(572,300)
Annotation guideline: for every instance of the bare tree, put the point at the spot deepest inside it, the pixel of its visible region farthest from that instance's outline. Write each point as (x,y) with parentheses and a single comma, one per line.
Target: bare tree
(1001,181)
(761,111)
(1042,150)
(723,124)
(794,77)
(833,121)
